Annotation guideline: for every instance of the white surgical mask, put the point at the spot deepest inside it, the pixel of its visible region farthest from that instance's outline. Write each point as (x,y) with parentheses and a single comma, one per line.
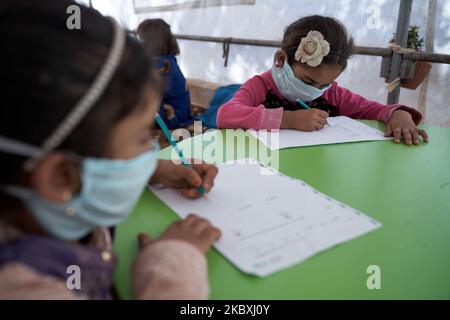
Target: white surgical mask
(292,88)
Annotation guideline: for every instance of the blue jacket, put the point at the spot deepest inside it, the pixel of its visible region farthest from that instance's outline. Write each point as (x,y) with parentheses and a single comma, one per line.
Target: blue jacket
(176,93)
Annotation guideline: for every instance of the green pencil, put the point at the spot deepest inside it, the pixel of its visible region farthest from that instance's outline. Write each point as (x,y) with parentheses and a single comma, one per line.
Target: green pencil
(173,143)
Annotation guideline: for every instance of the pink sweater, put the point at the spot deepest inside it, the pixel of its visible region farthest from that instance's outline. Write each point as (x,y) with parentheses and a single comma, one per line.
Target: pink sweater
(247,108)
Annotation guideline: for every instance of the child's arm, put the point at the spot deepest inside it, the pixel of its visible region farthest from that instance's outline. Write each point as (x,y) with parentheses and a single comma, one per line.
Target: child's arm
(401,121)
(174,265)
(20,282)
(357,107)
(245,110)
(170,269)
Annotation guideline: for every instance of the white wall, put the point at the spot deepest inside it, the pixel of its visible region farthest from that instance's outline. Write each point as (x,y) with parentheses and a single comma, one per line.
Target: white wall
(267,19)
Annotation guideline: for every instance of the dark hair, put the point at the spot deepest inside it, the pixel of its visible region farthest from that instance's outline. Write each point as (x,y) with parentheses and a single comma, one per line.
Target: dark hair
(157,38)
(47,68)
(333,31)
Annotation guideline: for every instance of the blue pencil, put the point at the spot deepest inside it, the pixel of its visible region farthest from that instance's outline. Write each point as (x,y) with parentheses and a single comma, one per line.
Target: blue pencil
(174,145)
(304,105)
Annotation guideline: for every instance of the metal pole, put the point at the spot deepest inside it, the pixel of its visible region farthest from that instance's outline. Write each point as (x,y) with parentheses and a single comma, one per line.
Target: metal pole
(357,50)
(252,42)
(370,51)
(430,57)
(401,38)
(429,45)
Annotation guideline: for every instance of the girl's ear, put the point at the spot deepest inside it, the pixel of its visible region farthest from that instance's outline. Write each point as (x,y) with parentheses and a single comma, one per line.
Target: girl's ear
(280,58)
(56,178)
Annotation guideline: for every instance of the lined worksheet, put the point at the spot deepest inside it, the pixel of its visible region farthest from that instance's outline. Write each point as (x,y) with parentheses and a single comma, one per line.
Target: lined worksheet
(339,130)
(270,222)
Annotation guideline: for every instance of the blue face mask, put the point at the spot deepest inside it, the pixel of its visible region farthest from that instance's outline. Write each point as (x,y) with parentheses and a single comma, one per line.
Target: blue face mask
(292,88)
(110,190)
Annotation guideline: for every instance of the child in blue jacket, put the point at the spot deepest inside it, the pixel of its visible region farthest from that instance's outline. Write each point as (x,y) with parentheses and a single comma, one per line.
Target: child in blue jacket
(163,48)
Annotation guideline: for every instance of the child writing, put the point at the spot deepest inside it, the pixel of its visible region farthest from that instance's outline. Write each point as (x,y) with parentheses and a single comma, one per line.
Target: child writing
(314,52)
(163,47)
(76,154)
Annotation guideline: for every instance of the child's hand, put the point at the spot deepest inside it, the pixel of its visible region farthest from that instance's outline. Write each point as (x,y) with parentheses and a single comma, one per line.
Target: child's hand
(195,230)
(173,175)
(402,124)
(304,120)
(169,110)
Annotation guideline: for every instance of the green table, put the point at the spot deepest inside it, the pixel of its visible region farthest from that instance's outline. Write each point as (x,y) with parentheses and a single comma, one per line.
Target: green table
(406,188)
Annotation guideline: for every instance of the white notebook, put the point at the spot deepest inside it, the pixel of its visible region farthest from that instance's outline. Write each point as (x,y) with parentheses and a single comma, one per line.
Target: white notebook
(270,222)
(340,130)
